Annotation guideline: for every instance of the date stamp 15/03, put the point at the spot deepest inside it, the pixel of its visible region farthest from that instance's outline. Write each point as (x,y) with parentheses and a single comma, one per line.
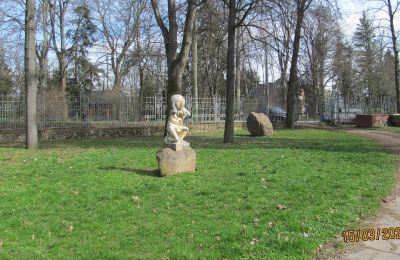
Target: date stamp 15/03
(371,234)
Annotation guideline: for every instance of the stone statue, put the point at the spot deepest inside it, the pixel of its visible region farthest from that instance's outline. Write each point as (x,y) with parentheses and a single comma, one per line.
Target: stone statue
(177,156)
(176,131)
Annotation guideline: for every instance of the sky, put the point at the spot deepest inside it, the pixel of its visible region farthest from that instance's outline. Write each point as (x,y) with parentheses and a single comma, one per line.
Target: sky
(352,11)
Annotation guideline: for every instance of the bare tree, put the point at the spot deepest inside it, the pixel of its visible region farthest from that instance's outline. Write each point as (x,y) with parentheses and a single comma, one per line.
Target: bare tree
(195,91)
(119,23)
(301,7)
(277,38)
(30,76)
(58,10)
(242,9)
(43,48)
(230,75)
(211,30)
(239,39)
(176,62)
(392,8)
(320,36)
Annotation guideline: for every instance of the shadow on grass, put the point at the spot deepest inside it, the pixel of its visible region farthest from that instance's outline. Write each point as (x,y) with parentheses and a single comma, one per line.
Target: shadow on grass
(142,172)
(340,143)
(244,135)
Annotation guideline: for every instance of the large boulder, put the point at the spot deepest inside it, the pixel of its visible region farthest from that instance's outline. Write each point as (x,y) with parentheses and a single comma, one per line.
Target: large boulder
(172,162)
(259,124)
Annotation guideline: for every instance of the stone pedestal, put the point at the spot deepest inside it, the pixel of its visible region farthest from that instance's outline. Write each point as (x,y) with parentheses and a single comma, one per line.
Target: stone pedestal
(173,161)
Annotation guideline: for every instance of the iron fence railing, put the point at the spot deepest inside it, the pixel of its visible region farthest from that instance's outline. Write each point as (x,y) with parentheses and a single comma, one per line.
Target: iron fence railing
(98,109)
(107,109)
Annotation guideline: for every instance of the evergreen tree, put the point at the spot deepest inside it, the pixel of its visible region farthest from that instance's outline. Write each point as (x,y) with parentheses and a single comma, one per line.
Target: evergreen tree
(84,73)
(366,55)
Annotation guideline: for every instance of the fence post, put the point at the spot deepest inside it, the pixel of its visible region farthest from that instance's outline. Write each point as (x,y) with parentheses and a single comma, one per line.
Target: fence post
(158,101)
(216,107)
(189,103)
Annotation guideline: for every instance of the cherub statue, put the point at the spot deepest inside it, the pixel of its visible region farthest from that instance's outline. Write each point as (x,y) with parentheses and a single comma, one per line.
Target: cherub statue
(176,131)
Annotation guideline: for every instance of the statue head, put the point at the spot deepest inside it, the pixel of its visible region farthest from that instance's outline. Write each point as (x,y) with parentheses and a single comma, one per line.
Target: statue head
(177,103)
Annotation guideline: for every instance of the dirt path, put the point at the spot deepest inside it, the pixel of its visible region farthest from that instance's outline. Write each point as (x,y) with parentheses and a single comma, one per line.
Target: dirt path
(388,216)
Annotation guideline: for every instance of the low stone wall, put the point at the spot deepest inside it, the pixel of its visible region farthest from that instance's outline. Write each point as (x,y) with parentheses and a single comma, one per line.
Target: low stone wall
(210,127)
(371,120)
(18,136)
(87,133)
(394,120)
(12,136)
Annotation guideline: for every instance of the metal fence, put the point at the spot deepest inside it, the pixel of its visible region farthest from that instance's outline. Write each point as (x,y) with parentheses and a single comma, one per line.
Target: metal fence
(105,109)
(12,111)
(204,110)
(339,109)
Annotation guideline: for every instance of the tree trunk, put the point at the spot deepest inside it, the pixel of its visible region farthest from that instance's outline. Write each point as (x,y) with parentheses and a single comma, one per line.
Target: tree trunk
(194,78)
(174,81)
(321,86)
(63,86)
(266,77)
(293,80)
(63,64)
(43,70)
(30,76)
(141,90)
(237,71)
(117,84)
(230,78)
(175,62)
(396,55)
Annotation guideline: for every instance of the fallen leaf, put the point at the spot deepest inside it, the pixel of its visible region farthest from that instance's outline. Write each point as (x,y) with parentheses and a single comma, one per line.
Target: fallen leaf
(1,243)
(280,206)
(271,224)
(253,241)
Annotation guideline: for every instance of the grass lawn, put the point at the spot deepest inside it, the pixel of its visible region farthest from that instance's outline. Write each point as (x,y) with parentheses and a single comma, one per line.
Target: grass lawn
(387,128)
(100,198)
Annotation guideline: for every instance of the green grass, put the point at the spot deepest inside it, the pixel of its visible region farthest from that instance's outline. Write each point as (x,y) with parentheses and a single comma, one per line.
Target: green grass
(387,128)
(101,199)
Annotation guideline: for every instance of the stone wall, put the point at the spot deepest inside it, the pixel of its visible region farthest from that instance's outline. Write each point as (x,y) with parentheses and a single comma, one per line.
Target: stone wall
(371,120)
(12,136)
(18,136)
(394,120)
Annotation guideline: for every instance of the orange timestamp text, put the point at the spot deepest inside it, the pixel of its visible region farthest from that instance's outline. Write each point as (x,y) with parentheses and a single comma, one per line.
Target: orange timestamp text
(371,234)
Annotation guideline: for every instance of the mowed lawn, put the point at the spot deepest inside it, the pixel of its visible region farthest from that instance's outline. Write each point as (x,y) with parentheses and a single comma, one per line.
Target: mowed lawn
(387,128)
(101,199)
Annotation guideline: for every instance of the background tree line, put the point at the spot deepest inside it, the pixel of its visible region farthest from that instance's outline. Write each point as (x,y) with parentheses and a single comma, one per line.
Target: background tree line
(203,48)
